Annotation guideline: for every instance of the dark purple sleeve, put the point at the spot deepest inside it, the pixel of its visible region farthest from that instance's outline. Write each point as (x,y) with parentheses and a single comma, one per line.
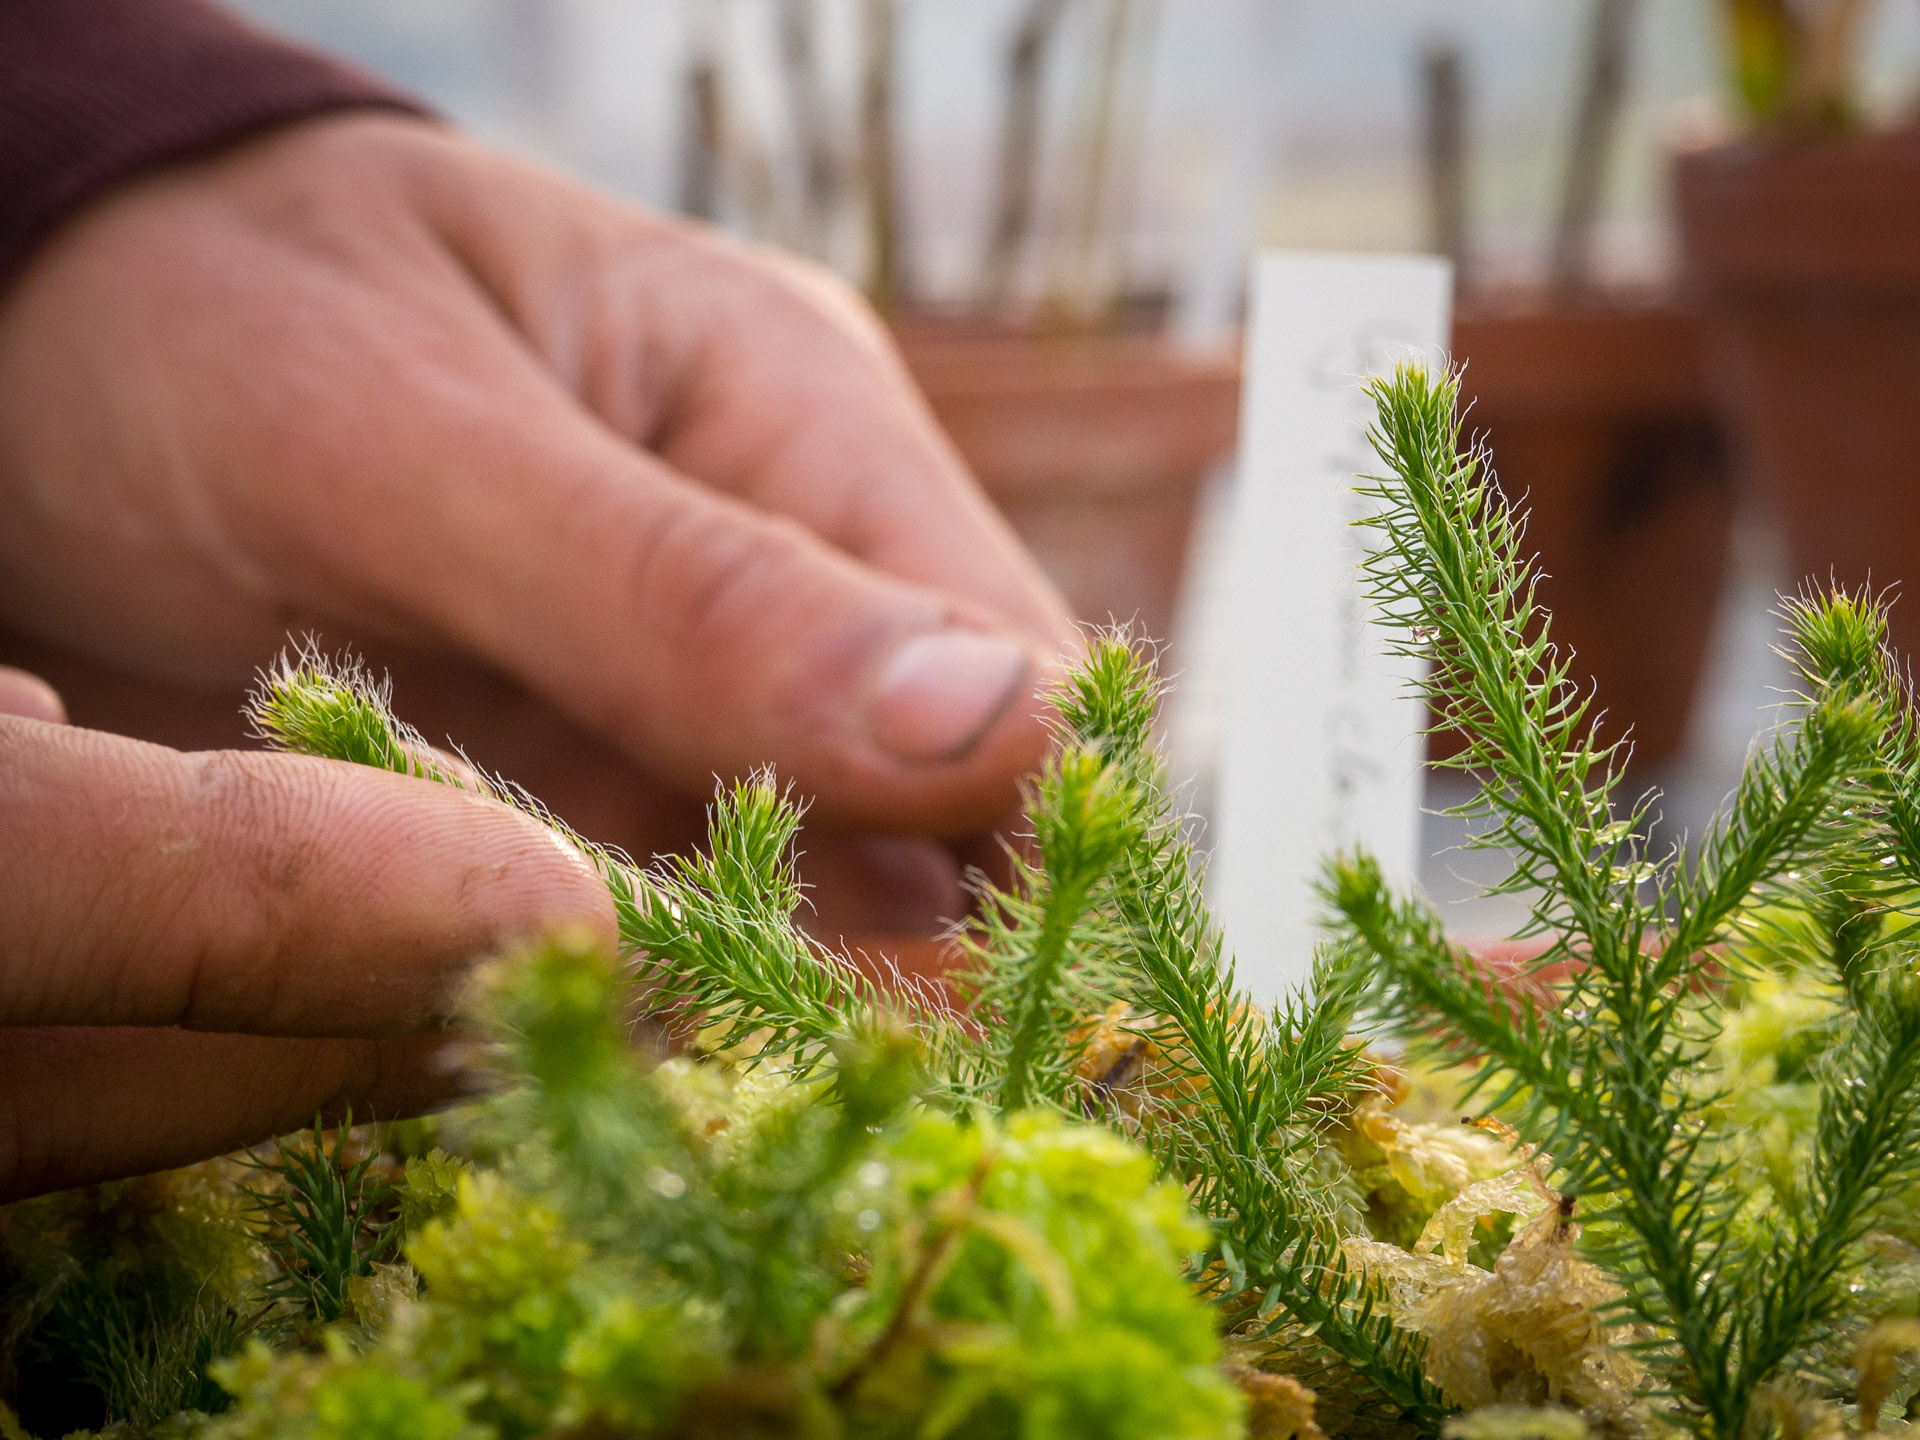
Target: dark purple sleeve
(93,90)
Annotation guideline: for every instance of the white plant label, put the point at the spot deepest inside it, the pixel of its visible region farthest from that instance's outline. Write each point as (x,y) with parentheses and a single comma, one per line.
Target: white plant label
(1322,748)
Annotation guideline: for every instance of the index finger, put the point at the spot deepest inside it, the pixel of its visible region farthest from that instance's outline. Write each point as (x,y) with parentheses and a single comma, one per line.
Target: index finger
(264,894)
(758,373)
(796,397)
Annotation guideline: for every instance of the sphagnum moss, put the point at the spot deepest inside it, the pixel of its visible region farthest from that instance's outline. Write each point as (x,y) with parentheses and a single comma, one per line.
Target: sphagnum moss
(867,1210)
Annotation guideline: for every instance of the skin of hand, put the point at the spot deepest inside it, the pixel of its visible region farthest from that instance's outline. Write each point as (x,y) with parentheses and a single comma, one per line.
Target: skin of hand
(622,504)
(181,972)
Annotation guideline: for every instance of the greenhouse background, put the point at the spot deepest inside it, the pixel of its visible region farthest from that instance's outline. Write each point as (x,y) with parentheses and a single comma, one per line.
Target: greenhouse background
(1229,125)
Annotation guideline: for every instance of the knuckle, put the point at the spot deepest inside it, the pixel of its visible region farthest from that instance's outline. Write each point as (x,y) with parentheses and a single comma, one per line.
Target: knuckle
(814,288)
(763,288)
(745,617)
(704,577)
(267,810)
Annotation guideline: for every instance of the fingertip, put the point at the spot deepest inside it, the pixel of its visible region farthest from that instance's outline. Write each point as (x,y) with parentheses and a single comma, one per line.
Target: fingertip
(579,897)
(519,877)
(30,697)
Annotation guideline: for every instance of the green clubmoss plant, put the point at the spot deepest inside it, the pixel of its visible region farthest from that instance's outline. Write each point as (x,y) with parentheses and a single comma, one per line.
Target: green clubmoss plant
(1602,1061)
(1084,1185)
(327,1220)
(1111,911)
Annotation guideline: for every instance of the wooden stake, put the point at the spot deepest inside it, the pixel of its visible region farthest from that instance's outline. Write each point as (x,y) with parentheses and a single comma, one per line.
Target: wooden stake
(1080,295)
(1443,72)
(819,185)
(1019,148)
(885,275)
(700,143)
(1609,60)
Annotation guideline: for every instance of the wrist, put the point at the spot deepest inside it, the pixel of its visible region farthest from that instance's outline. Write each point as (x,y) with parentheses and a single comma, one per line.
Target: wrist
(94,91)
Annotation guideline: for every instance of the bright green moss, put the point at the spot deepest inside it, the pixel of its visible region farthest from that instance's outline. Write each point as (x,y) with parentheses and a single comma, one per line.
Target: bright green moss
(853,1211)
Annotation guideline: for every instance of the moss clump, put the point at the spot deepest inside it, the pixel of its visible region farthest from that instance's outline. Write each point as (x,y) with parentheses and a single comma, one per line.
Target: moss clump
(1684,1200)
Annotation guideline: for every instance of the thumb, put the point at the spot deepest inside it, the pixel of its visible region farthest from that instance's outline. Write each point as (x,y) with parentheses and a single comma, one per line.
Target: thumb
(708,636)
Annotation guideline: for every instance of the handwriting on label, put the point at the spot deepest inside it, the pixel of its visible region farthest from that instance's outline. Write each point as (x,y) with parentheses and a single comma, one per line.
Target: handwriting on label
(1322,748)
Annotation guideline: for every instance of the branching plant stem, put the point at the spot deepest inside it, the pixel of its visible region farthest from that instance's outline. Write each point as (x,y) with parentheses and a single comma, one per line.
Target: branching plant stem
(1613,1093)
(1060,913)
(1600,1055)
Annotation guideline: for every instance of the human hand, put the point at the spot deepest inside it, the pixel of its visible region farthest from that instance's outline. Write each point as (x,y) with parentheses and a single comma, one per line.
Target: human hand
(200,951)
(366,377)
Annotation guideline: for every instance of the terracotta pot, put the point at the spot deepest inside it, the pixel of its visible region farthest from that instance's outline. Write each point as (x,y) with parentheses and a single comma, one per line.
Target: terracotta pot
(1094,449)
(1600,423)
(1599,415)
(1807,259)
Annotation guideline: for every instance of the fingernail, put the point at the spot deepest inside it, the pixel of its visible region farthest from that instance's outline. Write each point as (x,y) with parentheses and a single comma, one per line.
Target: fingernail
(29,697)
(940,693)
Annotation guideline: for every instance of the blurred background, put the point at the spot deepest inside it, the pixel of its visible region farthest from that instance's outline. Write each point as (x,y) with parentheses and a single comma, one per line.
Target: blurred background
(1686,235)
(1294,122)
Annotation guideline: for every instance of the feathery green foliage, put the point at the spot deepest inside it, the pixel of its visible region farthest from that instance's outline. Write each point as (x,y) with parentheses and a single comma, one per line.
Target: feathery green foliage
(868,1209)
(716,937)
(310,705)
(1086,819)
(146,1366)
(327,1221)
(116,1300)
(673,1250)
(1601,1058)
(1110,913)
(1266,1082)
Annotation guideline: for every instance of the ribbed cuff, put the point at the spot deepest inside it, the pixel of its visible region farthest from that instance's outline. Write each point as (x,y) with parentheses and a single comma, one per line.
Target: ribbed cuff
(93,90)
